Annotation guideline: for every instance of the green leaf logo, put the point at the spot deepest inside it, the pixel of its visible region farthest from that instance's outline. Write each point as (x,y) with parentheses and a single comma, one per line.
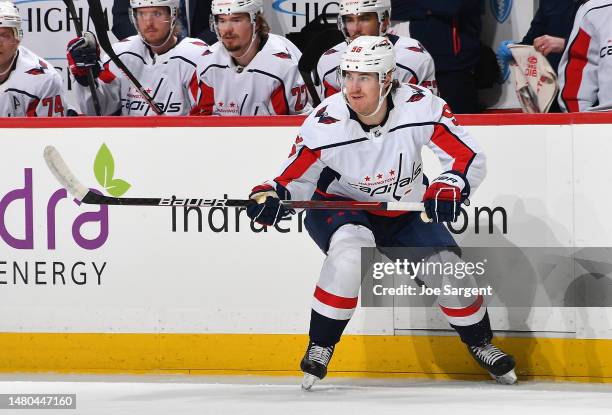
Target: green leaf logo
(104,170)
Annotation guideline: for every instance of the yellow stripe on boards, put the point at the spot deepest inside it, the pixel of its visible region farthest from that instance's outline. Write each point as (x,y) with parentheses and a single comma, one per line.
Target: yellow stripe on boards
(439,357)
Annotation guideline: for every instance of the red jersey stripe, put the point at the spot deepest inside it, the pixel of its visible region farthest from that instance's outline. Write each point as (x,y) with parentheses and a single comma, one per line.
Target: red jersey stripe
(279,103)
(207,99)
(299,166)
(466,311)
(193,86)
(454,147)
(31,111)
(334,300)
(329,89)
(106,75)
(578,59)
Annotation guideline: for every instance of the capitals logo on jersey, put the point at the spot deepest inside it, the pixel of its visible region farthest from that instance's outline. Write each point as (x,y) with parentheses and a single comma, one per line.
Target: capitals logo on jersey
(501,9)
(40,70)
(391,181)
(419,49)
(417,96)
(324,118)
(282,55)
(35,71)
(298,140)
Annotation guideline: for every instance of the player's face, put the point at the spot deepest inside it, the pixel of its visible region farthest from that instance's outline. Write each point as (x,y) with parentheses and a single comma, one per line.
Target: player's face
(8,46)
(153,24)
(362,91)
(235,31)
(365,24)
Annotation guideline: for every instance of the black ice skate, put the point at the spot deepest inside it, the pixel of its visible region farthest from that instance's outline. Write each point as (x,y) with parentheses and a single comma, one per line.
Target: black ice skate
(314,364)
(499,364)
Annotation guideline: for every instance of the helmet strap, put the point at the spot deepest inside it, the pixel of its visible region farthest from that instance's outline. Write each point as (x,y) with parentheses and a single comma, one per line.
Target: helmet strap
(253,37)
(381,98)
(170,32)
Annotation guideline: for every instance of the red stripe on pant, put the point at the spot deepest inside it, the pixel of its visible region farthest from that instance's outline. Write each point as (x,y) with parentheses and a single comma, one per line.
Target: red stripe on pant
(334,300)
(465,311)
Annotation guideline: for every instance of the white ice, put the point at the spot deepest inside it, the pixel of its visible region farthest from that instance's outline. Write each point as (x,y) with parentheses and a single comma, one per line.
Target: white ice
(153,395)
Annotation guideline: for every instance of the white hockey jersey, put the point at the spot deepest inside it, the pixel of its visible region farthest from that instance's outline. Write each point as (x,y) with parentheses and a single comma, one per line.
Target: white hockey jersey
(170,79)
(270,84)
(33,88)
(335,155)
(414,65)
(585,70)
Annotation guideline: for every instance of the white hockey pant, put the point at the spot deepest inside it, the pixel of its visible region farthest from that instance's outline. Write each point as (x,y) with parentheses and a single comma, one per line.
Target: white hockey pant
(337,291)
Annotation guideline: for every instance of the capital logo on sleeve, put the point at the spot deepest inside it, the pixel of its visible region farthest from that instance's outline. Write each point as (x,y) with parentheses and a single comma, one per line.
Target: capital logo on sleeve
(501,9)
(324,117)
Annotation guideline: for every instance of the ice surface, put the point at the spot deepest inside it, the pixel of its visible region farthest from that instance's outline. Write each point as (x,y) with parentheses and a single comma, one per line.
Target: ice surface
(152,395)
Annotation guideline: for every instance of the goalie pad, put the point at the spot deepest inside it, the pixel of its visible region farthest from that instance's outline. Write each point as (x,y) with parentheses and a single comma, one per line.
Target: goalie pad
(535,80)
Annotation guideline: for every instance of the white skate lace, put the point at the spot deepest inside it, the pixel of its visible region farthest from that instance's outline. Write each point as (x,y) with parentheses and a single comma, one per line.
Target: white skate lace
(320,354)
(488,353)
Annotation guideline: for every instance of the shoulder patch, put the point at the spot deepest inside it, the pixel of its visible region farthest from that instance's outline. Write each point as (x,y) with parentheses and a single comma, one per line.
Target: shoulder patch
(298,140)
(330,52)
(418,49)
(324,118)
(417,94)
(199,43)
(36,71)
(283,55)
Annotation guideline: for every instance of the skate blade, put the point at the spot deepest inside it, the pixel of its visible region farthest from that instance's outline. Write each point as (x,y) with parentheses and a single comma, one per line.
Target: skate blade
(308,381)
(507,379)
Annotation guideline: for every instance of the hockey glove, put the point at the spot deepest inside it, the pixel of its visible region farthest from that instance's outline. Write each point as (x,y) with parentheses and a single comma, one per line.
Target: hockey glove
(444,196)
(267,209)
(84,53)
(503,53)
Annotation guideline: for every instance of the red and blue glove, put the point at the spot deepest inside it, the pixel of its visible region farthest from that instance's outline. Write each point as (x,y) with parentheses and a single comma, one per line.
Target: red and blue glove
(83,53)
(267,209)
(443,197)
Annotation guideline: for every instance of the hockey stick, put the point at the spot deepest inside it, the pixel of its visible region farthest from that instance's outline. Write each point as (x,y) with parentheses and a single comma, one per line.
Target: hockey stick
(69,181)
(99,22)
(308,62)
(90,79)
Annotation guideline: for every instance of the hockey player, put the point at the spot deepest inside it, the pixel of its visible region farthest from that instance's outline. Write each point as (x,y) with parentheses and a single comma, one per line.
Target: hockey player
(365,144)
(29,85)
(163,62)
(372,18)
(585,79)
(250,71)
